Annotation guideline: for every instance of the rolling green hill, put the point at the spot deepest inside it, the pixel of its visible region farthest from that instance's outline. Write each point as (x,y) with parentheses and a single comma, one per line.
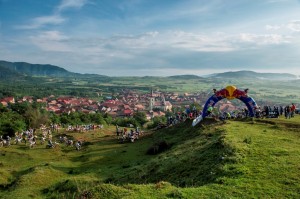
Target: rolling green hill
(185,77)
(35,69)
(7,73)
(255,75)
(20,79)
(239,159)
(45,70)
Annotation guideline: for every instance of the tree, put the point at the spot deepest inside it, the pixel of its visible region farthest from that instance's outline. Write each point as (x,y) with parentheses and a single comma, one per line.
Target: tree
(35,117)
(65,119)
(97,118)
(140,117)
(55,119)
(11,122)
(20,108)
(157,121)
(108,119)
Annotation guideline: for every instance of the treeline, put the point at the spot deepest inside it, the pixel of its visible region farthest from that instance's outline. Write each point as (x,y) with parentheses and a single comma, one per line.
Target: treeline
(40,89)
(21,116)
(44,87)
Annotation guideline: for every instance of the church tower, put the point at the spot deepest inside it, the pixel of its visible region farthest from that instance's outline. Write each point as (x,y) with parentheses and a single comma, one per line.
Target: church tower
(152,101)
(163,102)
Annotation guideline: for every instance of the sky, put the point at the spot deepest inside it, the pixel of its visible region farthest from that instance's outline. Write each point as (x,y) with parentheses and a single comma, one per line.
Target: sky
(153,37)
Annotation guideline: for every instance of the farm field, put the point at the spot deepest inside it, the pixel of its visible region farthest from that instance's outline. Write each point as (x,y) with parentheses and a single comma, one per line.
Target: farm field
(240,159)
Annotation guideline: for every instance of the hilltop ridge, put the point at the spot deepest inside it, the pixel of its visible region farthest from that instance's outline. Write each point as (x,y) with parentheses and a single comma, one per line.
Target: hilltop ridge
(23,68)
(28,69)
(35,69)
(254,75)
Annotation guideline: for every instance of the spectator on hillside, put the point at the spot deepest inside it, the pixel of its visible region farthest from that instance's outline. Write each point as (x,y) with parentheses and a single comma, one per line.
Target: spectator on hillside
(209,110)
(287,111)
(276,110)
(281,110)
(117,130)
(293,108)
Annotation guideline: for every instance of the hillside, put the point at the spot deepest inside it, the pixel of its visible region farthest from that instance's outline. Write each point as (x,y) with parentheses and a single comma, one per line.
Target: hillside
(36,69)
(255,75)
(43,70)
(7,73)
(239,159)
(185,77)
(56,71)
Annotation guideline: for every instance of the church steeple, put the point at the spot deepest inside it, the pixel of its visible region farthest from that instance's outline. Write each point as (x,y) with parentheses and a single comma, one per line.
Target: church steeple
(152,101)
(163,100)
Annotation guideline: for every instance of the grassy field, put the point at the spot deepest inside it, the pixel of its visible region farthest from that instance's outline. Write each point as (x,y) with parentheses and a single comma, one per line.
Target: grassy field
(268,91)
(239,159)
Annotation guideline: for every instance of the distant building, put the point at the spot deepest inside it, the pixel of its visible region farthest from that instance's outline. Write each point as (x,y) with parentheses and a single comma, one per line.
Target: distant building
(153,114)
(5,101)
(160,103)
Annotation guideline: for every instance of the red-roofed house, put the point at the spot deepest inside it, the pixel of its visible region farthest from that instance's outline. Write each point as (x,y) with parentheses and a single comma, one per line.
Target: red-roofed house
(139,107)
(127,112)
(7,100)
(28,99)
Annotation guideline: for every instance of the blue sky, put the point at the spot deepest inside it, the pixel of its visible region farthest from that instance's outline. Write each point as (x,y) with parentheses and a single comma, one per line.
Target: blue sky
(153,37)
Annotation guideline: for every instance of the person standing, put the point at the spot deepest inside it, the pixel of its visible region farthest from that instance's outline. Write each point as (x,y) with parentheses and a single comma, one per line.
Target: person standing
(288,112)
(293,108)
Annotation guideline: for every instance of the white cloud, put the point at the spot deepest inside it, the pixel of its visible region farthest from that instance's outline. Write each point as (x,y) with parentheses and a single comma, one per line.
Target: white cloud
(66,4)
(134,51)
(56,18)
(294,26)
(216,42)
(277,1)
(273,27)
(263,39)
(51,41)
(42,21)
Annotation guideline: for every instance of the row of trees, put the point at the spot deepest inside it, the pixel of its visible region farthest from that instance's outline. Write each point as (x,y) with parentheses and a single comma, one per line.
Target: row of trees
(21,116)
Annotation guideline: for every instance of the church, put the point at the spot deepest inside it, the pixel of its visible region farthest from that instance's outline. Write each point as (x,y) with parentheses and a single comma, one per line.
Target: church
(159,102)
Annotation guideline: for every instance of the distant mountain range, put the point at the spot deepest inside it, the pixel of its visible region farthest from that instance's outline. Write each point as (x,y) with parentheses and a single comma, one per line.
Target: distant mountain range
(21,69)
(8,73)
(241,75)
(10,69)
(255,75)
(183,77)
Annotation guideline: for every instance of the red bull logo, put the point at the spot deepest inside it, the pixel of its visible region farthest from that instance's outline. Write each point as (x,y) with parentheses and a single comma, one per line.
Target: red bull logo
(238,93)
(222,93)
(231,92)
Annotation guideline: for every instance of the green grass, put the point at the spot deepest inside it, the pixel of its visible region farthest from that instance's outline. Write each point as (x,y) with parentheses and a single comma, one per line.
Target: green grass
(269,91)
(239,159)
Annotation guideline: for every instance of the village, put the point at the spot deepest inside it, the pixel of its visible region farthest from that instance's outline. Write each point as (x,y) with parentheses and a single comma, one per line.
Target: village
(154,103)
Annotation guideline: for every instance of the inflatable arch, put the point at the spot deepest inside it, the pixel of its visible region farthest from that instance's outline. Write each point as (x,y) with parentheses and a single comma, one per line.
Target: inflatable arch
(230,92)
